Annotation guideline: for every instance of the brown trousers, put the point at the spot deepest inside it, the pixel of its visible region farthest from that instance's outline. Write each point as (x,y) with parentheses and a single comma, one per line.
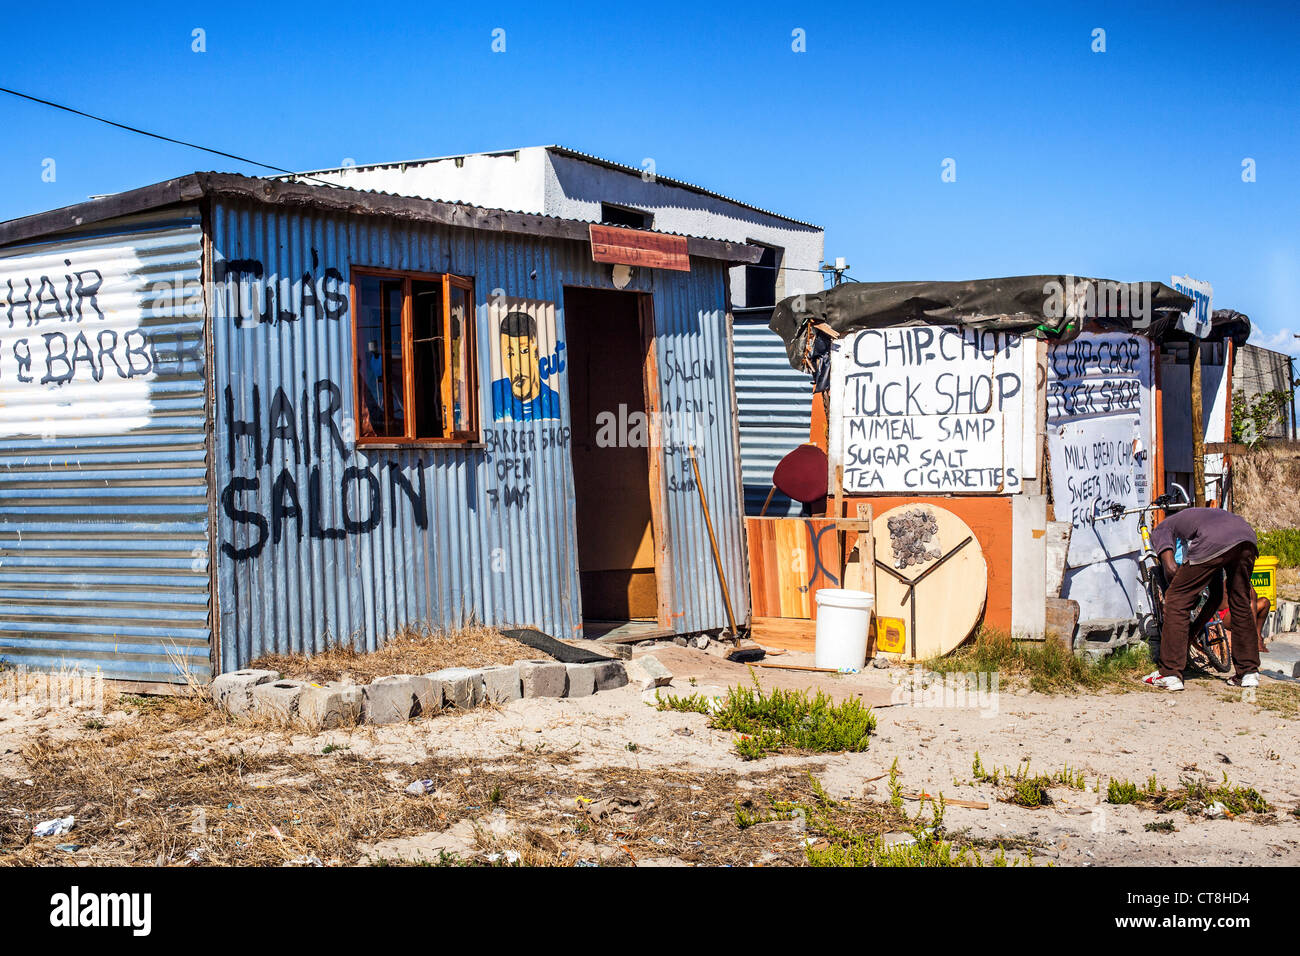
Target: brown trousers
(1236,565)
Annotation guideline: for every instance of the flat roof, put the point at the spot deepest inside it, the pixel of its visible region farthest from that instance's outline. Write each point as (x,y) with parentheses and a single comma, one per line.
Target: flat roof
(330,198)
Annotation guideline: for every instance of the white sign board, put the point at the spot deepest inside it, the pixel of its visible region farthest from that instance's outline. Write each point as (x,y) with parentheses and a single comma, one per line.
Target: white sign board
(1096,464)
(933,410)
(1099,438)
(1197,321)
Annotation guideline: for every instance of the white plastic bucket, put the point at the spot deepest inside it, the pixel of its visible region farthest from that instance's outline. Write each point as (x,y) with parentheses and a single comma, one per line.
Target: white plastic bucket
(843,621)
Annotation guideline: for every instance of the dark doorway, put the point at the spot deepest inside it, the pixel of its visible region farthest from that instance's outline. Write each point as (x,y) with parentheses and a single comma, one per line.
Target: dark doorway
(606,342)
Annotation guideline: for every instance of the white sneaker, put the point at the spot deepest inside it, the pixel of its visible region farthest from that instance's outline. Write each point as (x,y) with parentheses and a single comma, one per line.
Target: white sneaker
(1164,683)
(1245,680)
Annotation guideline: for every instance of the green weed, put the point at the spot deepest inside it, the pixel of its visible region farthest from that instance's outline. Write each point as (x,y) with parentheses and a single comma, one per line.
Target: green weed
(1284,544)
(1047,666)
(782,720)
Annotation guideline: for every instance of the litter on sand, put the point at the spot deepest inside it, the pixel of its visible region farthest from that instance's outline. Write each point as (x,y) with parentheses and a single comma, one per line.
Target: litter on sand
(420,787)
(55,827)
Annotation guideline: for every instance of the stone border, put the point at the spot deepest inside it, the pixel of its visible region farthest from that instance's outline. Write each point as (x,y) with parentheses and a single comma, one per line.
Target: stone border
(400,697)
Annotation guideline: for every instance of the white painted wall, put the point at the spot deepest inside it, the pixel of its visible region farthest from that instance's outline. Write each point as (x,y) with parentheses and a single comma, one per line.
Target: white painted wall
(576,188)
(512,181)
(538,180)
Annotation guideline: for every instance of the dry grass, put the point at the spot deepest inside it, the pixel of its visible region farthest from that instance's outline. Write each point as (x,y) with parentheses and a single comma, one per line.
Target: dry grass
(167,781)
(412,650)
(1288,584)
(1261,480)
(1281,699)
(1046,666)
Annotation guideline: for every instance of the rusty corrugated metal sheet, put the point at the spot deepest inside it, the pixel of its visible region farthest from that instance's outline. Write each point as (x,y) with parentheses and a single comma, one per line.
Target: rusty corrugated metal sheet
(457,552)
(103,463)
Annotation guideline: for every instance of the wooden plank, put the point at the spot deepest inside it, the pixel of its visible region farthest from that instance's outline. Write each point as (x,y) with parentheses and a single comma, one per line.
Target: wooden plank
(790,634)
(1058,546)
(950,801)
(1198,429)
(790,559)
(802,667)
(632,247)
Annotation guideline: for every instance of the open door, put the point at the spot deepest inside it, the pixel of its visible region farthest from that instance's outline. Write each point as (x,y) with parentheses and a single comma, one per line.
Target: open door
(606,345)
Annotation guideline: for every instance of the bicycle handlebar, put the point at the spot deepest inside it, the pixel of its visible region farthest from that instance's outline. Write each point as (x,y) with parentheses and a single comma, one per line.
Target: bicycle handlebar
(1165,502)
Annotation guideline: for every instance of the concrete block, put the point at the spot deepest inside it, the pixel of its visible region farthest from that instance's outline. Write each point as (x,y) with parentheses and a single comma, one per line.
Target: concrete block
(609,674)
(542,678)
(1282,658)
(646,671)
(326,706)
(398,697)
(462,687)
(277,699)
(501,683)
(1102,633)
(233,692)
(580,680)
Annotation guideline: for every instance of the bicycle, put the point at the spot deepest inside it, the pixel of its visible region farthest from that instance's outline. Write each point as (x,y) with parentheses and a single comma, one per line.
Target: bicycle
(1210,642)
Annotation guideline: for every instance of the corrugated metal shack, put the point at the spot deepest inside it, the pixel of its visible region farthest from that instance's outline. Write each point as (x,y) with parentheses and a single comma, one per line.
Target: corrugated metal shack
(1065,425)
(241,416)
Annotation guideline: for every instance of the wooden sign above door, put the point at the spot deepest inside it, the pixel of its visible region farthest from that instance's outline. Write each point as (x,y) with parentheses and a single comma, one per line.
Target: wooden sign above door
(632,247)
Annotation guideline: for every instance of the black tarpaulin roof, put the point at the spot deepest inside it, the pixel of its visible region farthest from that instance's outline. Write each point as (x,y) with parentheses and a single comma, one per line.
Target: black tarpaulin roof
(1230,324)
(1047,306)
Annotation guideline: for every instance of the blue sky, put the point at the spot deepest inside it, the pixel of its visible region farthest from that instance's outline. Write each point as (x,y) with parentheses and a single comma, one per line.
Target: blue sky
(1124,164)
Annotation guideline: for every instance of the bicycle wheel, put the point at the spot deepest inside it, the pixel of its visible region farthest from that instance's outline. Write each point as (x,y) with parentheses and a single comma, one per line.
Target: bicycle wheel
(1213,643)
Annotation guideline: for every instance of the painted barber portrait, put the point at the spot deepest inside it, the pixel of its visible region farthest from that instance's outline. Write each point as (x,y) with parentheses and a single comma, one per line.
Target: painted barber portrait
(526,362)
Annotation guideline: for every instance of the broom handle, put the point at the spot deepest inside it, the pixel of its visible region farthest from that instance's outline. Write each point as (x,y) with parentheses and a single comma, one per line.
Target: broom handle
(713,542)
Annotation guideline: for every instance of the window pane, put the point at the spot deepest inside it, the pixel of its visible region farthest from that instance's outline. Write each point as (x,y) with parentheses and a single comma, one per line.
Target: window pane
(379,357)
(429,362)
(462,372)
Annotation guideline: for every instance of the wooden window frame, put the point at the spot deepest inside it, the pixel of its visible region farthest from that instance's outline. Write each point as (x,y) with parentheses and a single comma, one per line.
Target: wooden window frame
(463,438)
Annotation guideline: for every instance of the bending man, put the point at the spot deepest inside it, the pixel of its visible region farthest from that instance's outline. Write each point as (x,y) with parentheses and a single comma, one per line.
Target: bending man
(1213,541)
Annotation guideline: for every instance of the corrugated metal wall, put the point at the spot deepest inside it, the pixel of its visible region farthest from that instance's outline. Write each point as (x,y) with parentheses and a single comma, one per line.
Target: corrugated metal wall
(775,404)
(103,464)
(448,548)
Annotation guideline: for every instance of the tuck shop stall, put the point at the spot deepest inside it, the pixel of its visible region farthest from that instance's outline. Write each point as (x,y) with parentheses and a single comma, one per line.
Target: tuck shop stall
(243,416)
(981,426)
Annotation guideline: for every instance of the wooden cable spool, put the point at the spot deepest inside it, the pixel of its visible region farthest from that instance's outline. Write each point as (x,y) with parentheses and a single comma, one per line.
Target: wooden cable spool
(940,590)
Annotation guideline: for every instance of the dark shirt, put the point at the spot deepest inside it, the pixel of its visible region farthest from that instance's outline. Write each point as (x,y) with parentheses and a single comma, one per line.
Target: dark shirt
(1206,533)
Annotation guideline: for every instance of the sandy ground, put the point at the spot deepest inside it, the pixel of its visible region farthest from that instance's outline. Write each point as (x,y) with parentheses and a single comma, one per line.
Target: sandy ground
(573,746)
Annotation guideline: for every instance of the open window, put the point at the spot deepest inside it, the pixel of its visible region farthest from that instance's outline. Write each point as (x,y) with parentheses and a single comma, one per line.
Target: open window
(416,359)
(616,215)
(761,278)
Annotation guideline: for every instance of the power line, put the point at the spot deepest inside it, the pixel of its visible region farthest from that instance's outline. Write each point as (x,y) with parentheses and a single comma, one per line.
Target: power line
(145,132)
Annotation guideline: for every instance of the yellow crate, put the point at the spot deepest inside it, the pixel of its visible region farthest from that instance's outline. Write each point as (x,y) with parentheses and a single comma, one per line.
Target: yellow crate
(1264,578)
(891,635)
